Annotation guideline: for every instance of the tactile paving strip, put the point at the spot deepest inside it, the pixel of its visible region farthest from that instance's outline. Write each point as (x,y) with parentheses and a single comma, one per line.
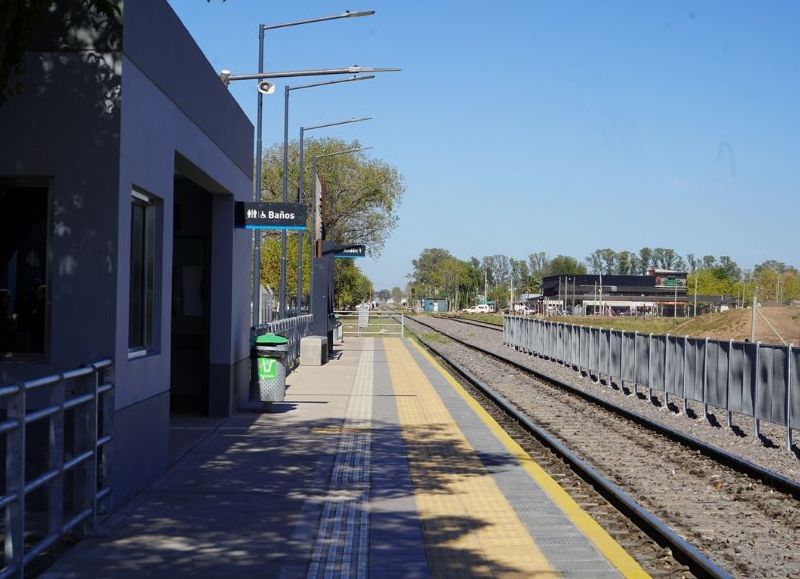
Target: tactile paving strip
(341,548)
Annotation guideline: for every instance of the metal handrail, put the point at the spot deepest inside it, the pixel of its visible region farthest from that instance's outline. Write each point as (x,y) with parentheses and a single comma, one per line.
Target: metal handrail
(294,329)
(91,393)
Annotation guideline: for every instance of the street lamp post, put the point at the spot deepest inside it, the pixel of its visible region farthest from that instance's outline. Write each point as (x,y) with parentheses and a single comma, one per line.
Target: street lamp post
(301,197)
(262,28)
(285,191)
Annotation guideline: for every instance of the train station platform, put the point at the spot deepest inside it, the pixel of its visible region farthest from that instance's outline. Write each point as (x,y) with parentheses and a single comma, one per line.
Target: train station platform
(377,465)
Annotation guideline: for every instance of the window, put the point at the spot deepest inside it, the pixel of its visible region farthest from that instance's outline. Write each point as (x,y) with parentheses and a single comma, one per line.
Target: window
(23,267)
(143,271)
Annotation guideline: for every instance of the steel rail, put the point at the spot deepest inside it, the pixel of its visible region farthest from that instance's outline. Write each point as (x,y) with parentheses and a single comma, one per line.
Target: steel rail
(487,325)
(737,463)
(684,552)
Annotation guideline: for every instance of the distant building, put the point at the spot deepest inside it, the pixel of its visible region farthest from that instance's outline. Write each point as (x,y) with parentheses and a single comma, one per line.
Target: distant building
(660,292)
(432,305)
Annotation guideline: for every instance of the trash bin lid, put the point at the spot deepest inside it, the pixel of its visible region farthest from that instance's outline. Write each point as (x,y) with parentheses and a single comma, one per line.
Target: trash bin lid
(271,340)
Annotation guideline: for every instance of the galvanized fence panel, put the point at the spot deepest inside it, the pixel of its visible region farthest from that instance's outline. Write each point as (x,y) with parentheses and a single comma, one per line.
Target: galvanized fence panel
(658,352)
(675,365)
(603,353)
(794,387)
(615,355)
(723,374)
(695,370)
(771,385)
(76,408)
(742,372)
(762,381)
(642,360)
(628,359)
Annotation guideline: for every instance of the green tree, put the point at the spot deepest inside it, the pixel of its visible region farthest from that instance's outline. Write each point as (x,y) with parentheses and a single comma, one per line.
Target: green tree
(362,195)
(565,265)
(627,263)
(645,259)
(397,294)
(80,24)
(350,286)
(537,266)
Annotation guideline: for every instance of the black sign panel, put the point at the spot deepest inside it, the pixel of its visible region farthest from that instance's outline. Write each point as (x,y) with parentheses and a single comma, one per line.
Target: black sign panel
(280,216)
(351,251)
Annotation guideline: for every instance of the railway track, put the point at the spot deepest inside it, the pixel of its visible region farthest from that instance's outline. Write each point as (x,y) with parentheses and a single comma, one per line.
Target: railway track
(687,498)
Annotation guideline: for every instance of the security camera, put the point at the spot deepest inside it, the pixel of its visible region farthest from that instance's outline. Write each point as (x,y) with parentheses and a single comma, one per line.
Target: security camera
(265,87)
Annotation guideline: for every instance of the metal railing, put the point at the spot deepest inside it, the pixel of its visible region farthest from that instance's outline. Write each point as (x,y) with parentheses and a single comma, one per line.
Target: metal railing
(58,433)
(371,323)
(292,328)
(758,380)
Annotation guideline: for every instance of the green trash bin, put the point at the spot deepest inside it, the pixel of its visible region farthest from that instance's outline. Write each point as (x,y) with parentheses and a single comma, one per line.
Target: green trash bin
(271,352)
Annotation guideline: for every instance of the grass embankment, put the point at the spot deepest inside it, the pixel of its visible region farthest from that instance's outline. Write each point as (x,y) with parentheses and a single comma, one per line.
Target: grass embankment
(730,325)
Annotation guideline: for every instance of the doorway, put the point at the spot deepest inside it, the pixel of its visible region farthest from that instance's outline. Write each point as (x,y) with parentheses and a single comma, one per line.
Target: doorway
(191,320)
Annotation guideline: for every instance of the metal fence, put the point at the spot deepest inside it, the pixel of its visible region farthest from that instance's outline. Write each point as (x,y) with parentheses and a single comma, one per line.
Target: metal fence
(758,380)
(292,328)
(366,322)
(58,432)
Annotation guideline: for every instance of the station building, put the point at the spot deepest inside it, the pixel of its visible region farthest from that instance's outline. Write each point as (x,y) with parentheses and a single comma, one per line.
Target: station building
(122,155)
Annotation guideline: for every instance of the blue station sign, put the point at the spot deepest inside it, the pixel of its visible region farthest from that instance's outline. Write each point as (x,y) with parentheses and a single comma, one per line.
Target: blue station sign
(351,251)
(271,216)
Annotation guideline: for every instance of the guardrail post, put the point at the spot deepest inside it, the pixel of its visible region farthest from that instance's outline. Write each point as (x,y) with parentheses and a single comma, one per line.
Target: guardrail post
(728,386)
(756,423)
(685,369)
(90,499)
(15,482)
(635,361)
(705,379)
(789,397)
(650,368)
(666,371)
(55,459)
(622,361)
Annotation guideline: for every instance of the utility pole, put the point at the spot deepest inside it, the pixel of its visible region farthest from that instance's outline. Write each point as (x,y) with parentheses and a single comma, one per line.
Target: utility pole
(695,297)
(485,285)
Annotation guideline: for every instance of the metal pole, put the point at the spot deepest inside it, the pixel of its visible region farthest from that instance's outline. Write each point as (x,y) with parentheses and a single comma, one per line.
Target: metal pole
(695,297)
(313,235)
(256,298)
(300,199)
(675,303)
(284,198)
(753,319)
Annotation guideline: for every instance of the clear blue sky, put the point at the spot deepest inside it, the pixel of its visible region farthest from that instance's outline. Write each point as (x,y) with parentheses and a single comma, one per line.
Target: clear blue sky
(550,126)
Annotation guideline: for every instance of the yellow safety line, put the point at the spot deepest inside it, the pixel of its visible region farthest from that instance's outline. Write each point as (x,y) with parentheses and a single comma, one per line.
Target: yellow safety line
(598,536)
(469,526)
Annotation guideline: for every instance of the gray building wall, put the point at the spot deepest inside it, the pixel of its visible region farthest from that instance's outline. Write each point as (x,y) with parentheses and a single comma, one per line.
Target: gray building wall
(101,124)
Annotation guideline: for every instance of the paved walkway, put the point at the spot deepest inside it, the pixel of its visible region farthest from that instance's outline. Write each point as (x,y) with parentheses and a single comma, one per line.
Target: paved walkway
(377,464)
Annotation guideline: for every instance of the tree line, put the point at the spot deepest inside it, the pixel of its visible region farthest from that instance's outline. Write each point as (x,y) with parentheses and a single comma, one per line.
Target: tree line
(438,273)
